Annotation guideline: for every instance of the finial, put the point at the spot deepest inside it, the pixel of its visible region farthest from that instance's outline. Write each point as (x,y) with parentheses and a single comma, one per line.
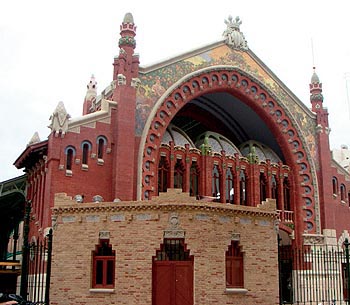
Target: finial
(128,18)
(35,139)
(92,84)
(59,120)
(234,38)
(315,79)
(127,32)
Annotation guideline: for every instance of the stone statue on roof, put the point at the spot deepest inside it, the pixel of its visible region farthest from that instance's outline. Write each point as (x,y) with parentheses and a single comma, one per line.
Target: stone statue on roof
(234,38)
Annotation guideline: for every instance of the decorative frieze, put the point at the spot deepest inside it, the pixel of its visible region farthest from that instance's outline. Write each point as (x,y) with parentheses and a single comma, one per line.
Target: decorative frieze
(313,239)
(118,217)
(66,219)
(174,231)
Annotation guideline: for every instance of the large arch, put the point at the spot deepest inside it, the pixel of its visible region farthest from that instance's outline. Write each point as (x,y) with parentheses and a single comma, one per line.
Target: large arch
(259,98)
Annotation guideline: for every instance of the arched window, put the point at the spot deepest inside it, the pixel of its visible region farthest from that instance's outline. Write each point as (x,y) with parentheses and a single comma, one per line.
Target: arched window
(229,186)
(163,174)
(86,148)
(70,154)
(194,179)
(216,182)
(234,266)
(286,195)
(243,191)
(103,265)
(335,185)
(179,171)
(101,143)
(263,186)
(342,192)
(274,188)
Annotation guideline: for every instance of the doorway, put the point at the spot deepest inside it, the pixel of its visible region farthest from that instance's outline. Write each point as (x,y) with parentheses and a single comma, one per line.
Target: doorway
(172,270)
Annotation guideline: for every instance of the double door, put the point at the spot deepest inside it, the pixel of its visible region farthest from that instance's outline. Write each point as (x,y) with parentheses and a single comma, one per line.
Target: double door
(173,282)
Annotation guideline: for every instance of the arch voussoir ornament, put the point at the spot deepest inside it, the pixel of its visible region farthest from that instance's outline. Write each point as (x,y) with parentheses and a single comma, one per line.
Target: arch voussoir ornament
(256,95)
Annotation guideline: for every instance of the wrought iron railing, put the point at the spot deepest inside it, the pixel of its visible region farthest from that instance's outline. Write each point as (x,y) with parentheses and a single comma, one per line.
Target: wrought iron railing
(314,275)
(36,266)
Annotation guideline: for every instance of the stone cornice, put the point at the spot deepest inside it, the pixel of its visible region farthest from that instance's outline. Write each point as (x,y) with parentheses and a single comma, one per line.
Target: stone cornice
(112,207)
(105,112)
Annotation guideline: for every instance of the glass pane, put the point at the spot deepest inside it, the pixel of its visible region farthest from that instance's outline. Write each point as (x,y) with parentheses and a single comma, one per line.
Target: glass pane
(110,272)
(99,272)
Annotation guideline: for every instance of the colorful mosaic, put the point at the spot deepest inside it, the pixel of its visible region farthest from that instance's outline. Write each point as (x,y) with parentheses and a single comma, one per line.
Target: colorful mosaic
(154,84)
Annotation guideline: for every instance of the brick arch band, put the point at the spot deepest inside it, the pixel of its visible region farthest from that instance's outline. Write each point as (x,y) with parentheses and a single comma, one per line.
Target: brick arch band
(253,93)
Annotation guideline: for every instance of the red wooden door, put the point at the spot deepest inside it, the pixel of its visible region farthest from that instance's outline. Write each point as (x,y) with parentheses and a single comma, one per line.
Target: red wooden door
(173,283)
(183,283)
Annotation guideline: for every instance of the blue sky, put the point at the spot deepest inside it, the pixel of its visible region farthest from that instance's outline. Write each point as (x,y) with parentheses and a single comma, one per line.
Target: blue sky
(49,49)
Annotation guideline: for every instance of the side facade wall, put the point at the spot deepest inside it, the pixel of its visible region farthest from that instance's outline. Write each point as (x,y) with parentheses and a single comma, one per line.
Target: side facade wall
(136,230)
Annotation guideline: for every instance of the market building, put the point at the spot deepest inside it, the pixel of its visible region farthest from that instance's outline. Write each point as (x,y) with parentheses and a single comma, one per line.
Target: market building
(183,182)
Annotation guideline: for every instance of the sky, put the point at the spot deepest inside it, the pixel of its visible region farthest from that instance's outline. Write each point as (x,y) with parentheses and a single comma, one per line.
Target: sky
(50,49)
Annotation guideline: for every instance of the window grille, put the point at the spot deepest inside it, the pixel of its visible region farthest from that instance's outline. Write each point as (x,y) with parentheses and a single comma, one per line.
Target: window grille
(173,250)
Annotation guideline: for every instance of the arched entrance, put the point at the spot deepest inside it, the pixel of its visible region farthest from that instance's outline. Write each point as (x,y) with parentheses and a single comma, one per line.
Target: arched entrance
(172,274)
(267,117)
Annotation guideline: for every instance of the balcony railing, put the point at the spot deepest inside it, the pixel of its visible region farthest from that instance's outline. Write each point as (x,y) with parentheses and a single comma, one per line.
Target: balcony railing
(286,216)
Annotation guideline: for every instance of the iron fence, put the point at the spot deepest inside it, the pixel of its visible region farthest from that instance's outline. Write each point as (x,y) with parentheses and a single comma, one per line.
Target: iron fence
(314,275)
(36,266)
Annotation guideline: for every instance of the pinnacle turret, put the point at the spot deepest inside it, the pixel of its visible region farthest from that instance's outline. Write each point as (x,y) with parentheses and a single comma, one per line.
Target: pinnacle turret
(126,64)
(90,96)
(127,32)
(316,96)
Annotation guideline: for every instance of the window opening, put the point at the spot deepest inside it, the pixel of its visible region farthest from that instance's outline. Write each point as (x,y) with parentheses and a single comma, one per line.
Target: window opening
(216,182)
(243,188)
(194,178)
(69,158)
(163,174)
(86,149)
(335,185)
(286,195)
(274,188)
(103,265)
(263,185)
(229,186)
(178,174)
(234,266)
(342,192)
(100,148)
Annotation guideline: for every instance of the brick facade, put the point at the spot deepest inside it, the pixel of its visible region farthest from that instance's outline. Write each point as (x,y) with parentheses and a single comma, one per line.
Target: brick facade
(136,231)
(221,89)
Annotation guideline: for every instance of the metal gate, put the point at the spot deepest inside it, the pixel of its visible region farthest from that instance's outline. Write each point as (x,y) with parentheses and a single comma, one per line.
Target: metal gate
(314,275)
(36,266)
